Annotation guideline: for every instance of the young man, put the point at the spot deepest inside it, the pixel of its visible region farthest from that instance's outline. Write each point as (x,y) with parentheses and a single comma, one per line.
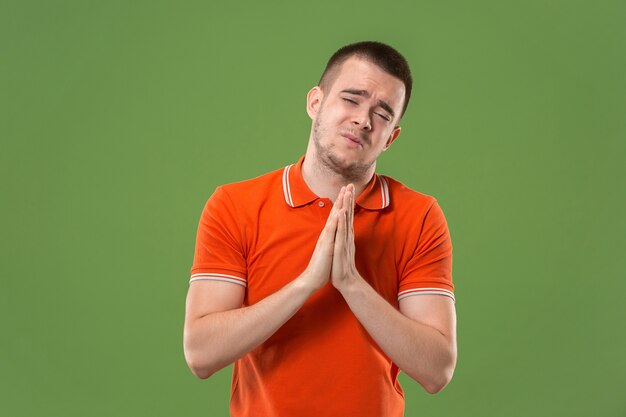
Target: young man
(322,280)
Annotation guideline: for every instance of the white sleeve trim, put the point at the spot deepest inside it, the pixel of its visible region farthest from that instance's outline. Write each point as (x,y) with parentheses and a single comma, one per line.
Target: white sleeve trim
(424,291)
(218,277)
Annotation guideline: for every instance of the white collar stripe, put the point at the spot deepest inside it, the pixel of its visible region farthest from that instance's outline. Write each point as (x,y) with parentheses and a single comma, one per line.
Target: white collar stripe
(385,191)
(286,186)
(382,191)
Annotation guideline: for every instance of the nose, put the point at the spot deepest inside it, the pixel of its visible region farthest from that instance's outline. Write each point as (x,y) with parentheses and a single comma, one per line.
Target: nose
(362,120)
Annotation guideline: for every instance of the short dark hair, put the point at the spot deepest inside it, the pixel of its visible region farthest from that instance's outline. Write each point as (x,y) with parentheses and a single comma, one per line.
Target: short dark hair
(378,53)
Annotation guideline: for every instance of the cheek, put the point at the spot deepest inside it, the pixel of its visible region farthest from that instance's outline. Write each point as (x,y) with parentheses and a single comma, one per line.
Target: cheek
(381,141)
(332,121)
(335,115)
(338,112)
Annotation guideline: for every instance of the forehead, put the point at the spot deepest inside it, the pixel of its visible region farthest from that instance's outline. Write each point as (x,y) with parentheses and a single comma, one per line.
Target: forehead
(361,74)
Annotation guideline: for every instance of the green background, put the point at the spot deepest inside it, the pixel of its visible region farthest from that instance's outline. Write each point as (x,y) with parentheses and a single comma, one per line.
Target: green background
(119,119)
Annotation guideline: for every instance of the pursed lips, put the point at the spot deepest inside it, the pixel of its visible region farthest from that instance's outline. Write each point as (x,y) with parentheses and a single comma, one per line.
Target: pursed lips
(353,138)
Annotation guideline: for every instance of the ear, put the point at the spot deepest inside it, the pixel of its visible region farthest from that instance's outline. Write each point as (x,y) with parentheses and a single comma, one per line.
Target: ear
(394,135)
(313,101)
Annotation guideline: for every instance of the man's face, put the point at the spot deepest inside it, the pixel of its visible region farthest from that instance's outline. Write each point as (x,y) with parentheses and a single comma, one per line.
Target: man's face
(357,118)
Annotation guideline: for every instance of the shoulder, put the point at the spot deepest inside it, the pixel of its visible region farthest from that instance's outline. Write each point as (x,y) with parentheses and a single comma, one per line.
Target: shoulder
(416,213)
(237,203)
(404,198)
(257,188)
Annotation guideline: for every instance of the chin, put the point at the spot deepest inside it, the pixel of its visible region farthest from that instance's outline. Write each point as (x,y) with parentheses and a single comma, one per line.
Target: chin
(351,169)
(342,158)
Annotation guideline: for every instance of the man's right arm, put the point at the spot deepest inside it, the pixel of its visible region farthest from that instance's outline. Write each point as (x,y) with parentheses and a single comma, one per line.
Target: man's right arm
(218,330)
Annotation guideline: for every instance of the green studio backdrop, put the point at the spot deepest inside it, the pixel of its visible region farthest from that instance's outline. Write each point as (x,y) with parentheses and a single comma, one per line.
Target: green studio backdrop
(119,119)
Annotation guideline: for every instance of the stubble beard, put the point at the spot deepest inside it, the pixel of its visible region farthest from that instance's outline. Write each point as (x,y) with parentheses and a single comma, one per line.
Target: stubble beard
(350,171)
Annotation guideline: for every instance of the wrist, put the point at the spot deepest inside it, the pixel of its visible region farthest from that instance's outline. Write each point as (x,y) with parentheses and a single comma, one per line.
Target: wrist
(305,284)
(349,284)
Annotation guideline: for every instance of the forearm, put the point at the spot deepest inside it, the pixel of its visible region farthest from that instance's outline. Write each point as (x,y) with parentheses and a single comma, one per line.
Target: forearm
(218,339)
(420,351)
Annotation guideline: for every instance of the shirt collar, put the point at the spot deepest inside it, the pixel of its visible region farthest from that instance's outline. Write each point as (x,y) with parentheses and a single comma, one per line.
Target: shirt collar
(375,196)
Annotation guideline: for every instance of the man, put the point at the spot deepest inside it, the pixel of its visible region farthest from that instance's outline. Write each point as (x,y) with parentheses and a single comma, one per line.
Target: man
(322,280)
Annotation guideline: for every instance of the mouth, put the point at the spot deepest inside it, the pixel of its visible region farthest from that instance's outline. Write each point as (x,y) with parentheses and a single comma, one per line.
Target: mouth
(352,140)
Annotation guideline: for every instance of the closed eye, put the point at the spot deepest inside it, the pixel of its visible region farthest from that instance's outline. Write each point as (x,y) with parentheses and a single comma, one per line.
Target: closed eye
(384,117)
(381,115)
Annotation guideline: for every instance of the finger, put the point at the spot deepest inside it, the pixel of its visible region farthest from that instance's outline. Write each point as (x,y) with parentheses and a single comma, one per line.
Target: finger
(340,236)
(331,223)
(339,200)
(326,240)
(350,219)
(334,208)
(330,228)
(347,203)
(351,206)
(346,197)
(350,203)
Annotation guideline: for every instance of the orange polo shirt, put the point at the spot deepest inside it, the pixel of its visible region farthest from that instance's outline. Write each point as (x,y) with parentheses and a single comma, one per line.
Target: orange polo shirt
(260,234)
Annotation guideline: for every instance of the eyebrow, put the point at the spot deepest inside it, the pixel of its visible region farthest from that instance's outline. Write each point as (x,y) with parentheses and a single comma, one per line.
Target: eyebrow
(364,93)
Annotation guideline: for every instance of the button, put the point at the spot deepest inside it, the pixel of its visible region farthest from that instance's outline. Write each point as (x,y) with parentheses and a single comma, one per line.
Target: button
(321,204)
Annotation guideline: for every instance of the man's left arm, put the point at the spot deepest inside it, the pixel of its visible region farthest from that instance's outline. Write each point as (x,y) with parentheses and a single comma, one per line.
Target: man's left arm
(420,337)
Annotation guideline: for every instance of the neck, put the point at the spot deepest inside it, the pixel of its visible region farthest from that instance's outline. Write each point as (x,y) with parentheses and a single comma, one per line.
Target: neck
(326,183)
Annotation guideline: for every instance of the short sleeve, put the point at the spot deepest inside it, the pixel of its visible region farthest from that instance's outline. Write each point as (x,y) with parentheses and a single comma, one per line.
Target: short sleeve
(429,269)
(219,252)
